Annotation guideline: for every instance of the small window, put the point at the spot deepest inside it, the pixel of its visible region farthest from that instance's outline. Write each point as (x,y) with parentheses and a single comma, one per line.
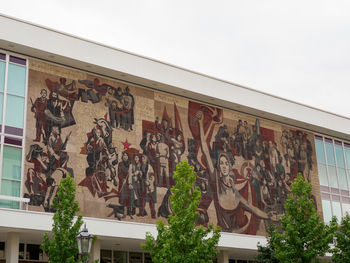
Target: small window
(135,257)
(121,257)
(2,250)
(106,256)
(16,80)
(34,252)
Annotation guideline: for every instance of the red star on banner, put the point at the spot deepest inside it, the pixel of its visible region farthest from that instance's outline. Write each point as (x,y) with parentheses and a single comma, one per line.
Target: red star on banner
(126,144)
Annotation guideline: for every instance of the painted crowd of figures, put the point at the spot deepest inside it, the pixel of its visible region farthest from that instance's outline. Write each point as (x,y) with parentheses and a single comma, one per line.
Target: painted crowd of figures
(244,172)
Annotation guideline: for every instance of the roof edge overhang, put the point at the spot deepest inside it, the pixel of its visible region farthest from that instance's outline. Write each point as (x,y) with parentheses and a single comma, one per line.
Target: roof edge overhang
(50,45)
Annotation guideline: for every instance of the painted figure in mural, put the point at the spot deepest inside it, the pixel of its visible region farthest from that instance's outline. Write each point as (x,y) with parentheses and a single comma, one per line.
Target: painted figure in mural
(38,107)
(126,187)
(145,141)
(152,154)
(128,108)
(43,179)
(148,190)
(55,112)
(36,176)
(273,156)
(177,149)
(56,149)
(163,159)
(227,199)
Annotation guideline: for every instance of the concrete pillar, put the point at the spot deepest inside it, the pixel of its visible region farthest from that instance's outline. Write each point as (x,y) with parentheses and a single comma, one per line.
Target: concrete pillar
(95,251)
(223,256)
(12,247)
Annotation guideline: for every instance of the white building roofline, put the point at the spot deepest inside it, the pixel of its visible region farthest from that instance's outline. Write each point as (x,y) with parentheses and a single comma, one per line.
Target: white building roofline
(51,45)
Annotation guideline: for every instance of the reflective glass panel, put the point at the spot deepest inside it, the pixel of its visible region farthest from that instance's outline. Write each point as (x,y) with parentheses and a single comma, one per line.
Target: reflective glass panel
(346,208)
(2,249)
(330,153)
(333,182)
(336,209)
(106,256)
(2,75)
(120,257)
(12,160)
(148,258)
(10,188)
(340,156)
(14,111)
(135,257)
(347,156)
(1,105)
(320,151)
(342,179)
(322,172)
(16,79)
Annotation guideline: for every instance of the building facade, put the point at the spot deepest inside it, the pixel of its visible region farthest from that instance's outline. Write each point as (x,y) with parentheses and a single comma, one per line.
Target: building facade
(119,123)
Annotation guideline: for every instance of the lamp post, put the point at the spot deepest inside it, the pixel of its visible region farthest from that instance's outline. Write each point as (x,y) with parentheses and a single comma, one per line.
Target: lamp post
(84,240)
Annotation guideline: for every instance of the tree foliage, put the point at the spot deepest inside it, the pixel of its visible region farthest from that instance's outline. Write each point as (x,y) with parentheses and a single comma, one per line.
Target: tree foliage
(266,254)
(181,241)
(62,247)
(341,251)
(304,236)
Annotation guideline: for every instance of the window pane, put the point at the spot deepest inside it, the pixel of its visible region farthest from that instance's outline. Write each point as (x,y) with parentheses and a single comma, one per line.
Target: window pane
(342,179)
(347,156)
(12,160)
(34,252)
(1,105)
(10,188)
(16,79)
(327,211)
(330,153)
(9,204)
(120,257)
(346,208)
(14,111)
(320,151)
(148,258)
(336,209)
(135,257)
(2,75)
(340,156)
(333,182)
(106,256)
(2,250)
(322,172)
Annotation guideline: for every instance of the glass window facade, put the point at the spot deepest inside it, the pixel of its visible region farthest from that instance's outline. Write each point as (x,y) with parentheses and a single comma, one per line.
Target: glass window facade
(333,162)
(13,81)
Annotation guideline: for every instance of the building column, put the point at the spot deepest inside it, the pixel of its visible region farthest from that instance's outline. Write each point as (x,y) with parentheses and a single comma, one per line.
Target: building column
(95,251)
(12,247)
(223,256)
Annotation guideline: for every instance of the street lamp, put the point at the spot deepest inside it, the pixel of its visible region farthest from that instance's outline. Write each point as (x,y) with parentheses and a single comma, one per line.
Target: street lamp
(84,240)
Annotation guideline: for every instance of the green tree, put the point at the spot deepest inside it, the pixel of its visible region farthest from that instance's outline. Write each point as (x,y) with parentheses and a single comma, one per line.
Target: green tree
(62,247)
(181,241)
(341,251)
(266,254)
(304,236)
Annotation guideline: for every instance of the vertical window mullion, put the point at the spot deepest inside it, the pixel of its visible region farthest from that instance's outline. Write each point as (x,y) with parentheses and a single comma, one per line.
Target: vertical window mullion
(346,166)
(24,129)
(325,153)
(2,132)
(337,176)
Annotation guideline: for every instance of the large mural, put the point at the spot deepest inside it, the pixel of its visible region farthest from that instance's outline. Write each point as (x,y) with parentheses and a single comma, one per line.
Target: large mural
(122,143)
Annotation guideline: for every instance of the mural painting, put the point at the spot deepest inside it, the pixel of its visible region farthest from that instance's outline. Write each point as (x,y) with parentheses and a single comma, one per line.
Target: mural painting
(122,144)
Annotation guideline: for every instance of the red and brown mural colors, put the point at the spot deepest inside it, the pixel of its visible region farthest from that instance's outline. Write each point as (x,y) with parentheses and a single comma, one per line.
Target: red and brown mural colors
(122,143)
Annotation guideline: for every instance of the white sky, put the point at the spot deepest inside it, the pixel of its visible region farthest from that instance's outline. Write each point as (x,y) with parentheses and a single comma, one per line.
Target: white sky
(296,49)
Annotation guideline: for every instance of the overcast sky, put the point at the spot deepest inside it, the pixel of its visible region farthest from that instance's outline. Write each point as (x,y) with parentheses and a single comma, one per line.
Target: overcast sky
(297,49)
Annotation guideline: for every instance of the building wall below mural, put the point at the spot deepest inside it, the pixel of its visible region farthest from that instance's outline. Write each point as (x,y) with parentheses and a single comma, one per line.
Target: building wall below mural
(122,143)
